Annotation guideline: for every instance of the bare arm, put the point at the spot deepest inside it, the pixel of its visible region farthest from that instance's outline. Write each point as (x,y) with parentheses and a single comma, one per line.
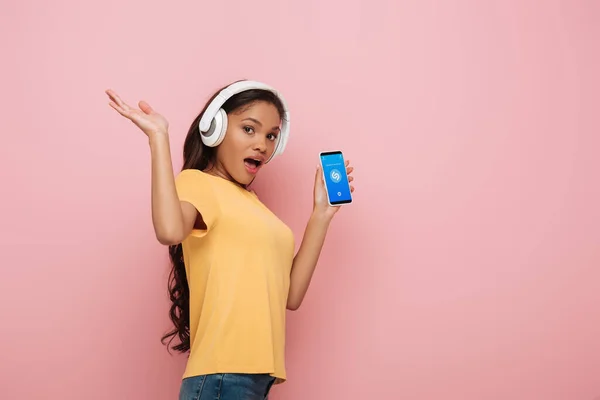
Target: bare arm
(173,220)
(307,257)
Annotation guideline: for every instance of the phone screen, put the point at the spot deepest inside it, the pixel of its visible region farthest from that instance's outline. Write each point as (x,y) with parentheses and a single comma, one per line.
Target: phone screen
(336,179)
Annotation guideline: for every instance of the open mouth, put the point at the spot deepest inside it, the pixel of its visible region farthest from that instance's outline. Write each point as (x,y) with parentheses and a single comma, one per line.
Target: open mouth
(252,164)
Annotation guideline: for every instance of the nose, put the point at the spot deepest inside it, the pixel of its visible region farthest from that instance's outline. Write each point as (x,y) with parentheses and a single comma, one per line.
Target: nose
(260,144)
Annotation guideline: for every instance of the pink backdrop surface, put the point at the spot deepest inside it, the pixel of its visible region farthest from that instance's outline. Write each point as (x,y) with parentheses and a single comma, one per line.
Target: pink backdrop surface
(468,267)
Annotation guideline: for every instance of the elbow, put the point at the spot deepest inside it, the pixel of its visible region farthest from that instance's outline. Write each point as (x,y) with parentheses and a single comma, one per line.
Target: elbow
(293,305)
(295,299)
(168,237)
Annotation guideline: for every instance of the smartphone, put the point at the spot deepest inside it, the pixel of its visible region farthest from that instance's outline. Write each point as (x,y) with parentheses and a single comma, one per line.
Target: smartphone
(335,177)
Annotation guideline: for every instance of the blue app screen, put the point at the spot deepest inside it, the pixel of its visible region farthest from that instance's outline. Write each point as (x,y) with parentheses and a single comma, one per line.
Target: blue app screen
(336,180)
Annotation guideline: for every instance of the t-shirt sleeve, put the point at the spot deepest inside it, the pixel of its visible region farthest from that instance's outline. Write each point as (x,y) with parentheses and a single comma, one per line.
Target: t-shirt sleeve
(194,187)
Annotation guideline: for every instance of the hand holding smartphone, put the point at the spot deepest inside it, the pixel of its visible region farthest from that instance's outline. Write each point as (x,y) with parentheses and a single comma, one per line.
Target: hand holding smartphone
(337,186)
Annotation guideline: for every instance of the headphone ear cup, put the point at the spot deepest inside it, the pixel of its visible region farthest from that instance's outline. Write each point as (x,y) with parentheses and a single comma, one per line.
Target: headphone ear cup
(216,133)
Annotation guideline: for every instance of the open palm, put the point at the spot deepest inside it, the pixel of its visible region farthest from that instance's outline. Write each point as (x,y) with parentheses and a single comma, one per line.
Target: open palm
(148,120)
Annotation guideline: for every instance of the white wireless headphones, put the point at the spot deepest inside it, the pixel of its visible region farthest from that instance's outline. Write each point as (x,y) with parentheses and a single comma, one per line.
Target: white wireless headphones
(213,123)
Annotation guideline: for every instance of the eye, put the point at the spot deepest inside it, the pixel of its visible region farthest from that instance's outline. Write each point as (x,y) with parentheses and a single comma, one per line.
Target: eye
(272,136)
(248,129)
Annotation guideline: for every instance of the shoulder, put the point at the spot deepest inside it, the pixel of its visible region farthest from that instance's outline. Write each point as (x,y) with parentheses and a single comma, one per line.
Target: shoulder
(191,173)
(196,187)
(192,177)
(194,184)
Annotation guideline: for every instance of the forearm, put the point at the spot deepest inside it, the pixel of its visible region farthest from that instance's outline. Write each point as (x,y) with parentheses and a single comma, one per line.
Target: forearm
(167,216)
(307,257)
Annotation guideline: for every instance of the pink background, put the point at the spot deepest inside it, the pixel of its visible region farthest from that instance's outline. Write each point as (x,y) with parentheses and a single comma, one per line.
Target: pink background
(467,269)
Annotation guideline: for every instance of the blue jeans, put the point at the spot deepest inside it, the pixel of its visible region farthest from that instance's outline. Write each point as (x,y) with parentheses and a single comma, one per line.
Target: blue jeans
(226,387)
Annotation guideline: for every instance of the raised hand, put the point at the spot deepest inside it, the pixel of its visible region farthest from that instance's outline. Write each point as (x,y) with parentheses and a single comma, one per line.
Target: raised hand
(320,202)
(148,120)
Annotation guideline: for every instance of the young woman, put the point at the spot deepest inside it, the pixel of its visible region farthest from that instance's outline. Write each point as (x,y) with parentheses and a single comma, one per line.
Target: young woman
(234,272)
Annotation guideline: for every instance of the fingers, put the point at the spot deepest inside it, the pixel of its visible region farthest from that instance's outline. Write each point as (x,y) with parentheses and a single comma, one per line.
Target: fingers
(118,104)
(349,170)
(119,109)
(115,98)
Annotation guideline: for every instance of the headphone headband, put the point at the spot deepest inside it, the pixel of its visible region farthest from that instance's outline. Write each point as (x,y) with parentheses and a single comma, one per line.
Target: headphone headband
(214,112)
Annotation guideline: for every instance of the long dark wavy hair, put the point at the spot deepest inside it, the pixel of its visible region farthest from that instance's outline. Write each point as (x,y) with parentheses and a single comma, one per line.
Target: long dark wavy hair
(196,155)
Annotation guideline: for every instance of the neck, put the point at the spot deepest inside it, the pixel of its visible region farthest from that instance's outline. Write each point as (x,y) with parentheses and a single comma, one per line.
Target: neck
(219,171)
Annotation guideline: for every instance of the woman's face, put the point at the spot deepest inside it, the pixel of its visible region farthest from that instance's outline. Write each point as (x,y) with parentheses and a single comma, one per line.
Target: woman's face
(249,141)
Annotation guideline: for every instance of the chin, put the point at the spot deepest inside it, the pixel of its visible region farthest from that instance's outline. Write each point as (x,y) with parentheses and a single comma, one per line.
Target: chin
(244,178)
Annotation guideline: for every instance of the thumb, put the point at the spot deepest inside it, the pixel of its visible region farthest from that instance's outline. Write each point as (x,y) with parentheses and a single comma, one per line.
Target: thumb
(319,175)
(145,107)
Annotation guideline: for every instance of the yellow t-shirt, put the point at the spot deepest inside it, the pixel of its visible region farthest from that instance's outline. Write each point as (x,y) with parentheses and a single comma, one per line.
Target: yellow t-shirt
(238,272)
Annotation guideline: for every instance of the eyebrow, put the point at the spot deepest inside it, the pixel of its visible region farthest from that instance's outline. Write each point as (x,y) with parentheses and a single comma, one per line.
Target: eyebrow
(257,122)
